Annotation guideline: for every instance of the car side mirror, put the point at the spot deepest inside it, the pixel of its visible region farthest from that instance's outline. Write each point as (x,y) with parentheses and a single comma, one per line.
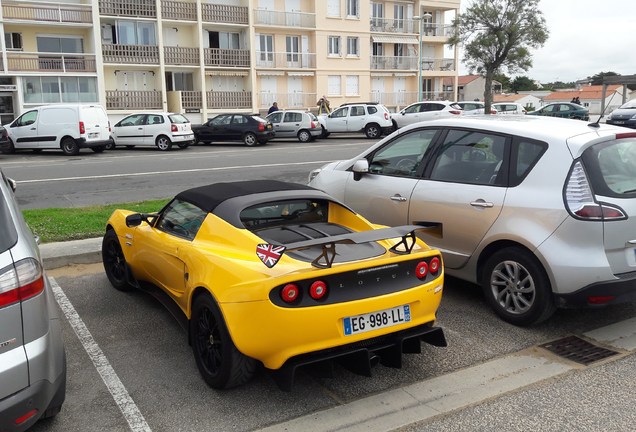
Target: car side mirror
(360,167)
(134,220)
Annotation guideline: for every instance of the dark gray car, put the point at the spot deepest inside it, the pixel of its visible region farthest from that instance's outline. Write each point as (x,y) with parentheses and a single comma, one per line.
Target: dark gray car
(32,357)
(624,116)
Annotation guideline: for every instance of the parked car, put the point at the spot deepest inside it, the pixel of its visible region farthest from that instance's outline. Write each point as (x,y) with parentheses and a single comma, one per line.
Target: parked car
(563,110)
(371,118)
(249,128)
(5,144)
(475,108)
(421,111)
(295,124)
(279,274)
(509,108)
(623,116)
(67,127)
(155,129)
(32,356)
(541,212)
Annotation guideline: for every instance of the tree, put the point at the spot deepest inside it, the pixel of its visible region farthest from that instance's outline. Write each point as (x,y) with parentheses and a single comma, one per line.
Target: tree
(521,83)
(504,80)
(498,35)
(597,79)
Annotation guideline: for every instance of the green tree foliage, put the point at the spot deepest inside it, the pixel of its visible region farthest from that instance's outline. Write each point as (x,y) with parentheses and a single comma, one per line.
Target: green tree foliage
(504,80)
(522,83)
(597,79)
(497,35)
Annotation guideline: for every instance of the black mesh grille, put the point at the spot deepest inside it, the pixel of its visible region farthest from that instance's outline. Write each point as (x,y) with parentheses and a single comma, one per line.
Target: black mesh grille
(578,350)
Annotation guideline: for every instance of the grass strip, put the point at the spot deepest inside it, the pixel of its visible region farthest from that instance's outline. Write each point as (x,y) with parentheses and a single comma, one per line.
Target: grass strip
(63,224)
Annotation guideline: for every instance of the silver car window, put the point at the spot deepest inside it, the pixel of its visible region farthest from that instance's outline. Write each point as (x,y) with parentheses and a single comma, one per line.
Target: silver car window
(402,157)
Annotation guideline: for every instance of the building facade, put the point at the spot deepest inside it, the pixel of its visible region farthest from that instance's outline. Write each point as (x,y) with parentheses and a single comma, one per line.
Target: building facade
(201,57)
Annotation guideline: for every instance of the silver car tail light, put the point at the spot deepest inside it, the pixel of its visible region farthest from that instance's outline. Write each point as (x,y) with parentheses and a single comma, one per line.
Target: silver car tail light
(21,282)
(580,202)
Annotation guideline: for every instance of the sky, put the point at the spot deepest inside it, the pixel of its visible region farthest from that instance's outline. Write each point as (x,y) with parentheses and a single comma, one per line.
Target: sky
(586,37)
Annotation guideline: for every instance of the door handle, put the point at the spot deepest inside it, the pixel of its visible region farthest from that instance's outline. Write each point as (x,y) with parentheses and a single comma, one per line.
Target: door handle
(32,128)
(482,204)
(398,197)
(140,128)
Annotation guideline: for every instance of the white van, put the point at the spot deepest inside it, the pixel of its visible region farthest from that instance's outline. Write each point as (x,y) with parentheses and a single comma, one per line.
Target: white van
(66,127)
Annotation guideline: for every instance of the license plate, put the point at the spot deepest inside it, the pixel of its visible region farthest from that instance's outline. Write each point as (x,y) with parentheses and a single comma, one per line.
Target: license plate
(376,320)
(619,122)
(93,135)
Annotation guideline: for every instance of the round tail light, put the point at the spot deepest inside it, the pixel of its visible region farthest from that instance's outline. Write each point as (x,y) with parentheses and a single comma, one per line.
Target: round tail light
(421,269)
(318,290)
(290,293)
(434,265)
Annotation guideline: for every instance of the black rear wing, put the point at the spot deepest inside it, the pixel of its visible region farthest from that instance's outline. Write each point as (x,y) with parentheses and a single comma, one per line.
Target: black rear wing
(403,247)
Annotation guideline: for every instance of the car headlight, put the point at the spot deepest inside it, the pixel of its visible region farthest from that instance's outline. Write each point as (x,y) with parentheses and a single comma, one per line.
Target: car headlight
(313,174)
(633,117)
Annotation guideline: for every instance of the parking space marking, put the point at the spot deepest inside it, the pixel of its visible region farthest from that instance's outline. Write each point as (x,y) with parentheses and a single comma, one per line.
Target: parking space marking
(129,409)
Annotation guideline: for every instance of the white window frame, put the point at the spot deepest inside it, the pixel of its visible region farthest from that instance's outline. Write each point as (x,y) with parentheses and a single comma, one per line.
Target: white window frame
(334,46)
(333,8)
(334,85)
(353,8)
(353,46)
(352,87)
(11,39)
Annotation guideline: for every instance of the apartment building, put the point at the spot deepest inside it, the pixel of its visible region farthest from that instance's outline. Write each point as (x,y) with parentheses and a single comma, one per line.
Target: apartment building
(200,57)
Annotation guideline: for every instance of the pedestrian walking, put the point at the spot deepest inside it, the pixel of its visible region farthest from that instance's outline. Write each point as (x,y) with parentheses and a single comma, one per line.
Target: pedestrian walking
(273,108)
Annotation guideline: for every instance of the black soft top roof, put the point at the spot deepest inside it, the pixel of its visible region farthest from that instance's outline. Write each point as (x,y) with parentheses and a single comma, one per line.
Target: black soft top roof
(210,196)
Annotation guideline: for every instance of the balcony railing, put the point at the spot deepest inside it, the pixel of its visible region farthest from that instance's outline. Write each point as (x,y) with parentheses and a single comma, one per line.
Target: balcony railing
(228,99)
(179,10)
(227,57)
(218,13)
(391,25)
(134,8)
(287,100)
(133,100)
(181,56)
(436,30)
(47,12)
(394,62)
(136,54)
(191,99)
(50,62)
(438,65)
(286,60)
(284,19)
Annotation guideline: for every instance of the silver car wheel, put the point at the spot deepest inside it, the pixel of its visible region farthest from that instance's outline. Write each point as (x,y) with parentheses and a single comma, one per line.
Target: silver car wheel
(513,287)
(163,143)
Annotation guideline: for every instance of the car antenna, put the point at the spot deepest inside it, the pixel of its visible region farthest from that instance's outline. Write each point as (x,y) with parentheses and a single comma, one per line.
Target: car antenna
(596,123)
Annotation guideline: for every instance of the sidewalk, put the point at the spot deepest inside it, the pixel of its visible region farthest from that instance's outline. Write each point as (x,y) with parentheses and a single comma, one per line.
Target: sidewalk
(55,255)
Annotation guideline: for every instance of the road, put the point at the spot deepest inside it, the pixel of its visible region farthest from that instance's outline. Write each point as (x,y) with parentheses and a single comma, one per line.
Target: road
(50,179)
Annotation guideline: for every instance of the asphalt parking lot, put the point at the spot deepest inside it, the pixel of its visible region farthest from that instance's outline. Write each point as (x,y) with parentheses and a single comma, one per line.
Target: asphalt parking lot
(149,380)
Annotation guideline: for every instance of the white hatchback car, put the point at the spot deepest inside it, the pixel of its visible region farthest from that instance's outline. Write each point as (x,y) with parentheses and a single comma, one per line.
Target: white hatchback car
(156,129)
(427,110)
(541,212)
(371,118)
(509,108)
(475,108)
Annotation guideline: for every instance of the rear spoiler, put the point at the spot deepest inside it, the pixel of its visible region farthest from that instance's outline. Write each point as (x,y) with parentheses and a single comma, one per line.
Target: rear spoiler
(403,247)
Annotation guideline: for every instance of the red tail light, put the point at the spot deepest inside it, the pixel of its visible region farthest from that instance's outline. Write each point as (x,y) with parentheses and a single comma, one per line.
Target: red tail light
(434,265)
(386,116)
(626,135)
(25,417)
(421,270)
(174,128)
(21,282)
(455,112)
(493,111)
(82,128)
(318,290)
(599,300)
(261,127)
(290,293)
(313,125)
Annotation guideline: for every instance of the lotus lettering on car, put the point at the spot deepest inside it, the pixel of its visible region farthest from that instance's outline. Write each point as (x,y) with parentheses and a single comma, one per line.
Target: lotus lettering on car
(269,254)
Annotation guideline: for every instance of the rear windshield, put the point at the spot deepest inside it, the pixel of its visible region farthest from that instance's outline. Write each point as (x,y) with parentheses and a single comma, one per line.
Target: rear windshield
(612,167)
(288,212)
(259,119)
(178,118)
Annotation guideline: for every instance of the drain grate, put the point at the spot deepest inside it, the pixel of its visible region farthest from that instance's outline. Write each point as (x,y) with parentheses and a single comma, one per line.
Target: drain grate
(578,350)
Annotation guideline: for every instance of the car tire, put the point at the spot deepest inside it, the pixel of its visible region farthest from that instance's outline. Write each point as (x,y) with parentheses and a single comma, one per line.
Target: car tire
(324,133)
(249,139)
(372,130)
(10,148)
(115,262)
(110,146)
(220,363)
(304,136)
(517,287)
(69,146)
(163,143)
(393,128)
(99,149)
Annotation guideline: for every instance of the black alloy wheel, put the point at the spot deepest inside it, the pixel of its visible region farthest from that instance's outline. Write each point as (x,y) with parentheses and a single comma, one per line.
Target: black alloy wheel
(115,262)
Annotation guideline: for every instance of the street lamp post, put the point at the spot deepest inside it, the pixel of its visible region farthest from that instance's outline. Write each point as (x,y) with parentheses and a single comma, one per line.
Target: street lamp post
(420,19)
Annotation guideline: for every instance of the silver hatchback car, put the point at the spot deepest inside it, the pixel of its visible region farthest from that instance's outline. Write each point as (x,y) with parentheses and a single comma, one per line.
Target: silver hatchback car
(541,212)
(295,124)
(32,356)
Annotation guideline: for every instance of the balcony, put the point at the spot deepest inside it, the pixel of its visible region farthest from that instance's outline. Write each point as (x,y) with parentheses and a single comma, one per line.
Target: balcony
(130,54)
(181,56)
(284,19)
(226,14)
(438,64)
(129,8)
(285,60)
(394,62)
(50,62)
(178,10)
(47,12)
(229,99)
(227,57)
(436,30)
(287,100)
(133,100)
(390,25)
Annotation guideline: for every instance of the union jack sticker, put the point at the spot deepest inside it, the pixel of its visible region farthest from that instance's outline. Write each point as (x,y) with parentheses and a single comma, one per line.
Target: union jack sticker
(269,254)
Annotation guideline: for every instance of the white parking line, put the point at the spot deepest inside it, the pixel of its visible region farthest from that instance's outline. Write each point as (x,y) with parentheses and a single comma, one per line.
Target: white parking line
(129,409)
(170,172)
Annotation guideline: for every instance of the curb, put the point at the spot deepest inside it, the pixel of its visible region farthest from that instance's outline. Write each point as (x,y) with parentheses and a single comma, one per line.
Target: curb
(56,255)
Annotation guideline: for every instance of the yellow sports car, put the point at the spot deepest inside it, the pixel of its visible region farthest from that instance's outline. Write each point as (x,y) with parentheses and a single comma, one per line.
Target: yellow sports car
(281,274)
